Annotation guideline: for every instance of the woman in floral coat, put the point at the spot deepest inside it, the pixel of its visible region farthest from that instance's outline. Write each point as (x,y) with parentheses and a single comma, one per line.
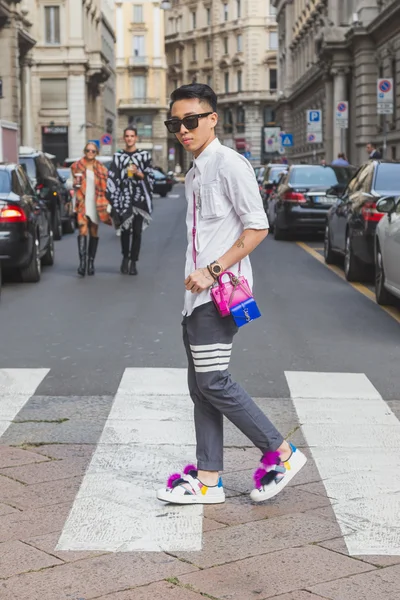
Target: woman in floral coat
(90,182)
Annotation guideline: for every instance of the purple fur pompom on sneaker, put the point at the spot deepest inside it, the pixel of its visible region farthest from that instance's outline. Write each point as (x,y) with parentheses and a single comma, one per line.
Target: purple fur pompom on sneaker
(270,459)
(189,468)
(172,478)
(258,475)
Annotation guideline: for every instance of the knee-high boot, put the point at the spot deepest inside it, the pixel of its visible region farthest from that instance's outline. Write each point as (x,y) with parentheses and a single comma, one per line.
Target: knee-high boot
(82,246)
(93,243)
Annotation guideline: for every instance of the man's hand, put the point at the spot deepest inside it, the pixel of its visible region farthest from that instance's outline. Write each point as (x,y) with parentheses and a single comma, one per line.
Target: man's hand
(199,281)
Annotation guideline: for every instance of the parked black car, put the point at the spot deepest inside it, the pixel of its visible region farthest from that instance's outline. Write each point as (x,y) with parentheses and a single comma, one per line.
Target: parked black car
(351,223)
(271,177)
(304,197)
(162,183)
(26,235)
(50,187)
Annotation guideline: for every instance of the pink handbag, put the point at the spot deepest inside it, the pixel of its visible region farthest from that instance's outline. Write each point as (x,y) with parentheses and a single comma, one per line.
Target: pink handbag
(231,293)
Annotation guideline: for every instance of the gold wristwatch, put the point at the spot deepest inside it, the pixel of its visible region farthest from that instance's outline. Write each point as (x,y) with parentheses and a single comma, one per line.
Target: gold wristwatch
(215,269)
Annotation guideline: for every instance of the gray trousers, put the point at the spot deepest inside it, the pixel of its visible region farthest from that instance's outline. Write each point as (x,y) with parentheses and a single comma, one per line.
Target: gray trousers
(208,342)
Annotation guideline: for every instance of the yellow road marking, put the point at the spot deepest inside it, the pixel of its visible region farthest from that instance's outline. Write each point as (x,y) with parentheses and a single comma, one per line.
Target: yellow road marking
(393,312)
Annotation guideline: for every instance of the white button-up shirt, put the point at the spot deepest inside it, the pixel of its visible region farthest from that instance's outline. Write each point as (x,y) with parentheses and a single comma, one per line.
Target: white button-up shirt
(227,202)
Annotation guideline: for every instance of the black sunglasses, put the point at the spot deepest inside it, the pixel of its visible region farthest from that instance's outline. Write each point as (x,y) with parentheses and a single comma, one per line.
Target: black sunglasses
(189,122)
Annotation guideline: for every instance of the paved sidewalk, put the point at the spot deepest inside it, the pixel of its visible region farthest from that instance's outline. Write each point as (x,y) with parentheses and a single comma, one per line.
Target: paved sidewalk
(289,548)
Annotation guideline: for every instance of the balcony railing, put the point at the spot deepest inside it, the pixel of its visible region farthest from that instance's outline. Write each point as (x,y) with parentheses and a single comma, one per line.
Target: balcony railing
(146,102)
(138,61)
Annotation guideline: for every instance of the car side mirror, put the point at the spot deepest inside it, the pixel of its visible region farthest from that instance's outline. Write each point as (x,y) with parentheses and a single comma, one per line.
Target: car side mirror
(386,205)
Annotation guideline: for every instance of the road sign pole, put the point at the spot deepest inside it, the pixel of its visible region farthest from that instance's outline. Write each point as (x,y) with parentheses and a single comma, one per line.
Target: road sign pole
(384,136)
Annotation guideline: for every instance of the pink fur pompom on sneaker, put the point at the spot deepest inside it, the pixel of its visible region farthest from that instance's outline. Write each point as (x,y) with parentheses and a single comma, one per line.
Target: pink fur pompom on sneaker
(270,459)
(258,475)
(172,478)
(189,468)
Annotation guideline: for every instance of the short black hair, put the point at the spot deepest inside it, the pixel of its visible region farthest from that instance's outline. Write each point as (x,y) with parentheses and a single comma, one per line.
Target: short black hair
(373,144)
(195,90)
(130,128)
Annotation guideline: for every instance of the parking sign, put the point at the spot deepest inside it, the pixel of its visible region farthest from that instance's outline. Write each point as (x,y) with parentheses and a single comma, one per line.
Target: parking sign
(342,114)
(314,120)
(384,92)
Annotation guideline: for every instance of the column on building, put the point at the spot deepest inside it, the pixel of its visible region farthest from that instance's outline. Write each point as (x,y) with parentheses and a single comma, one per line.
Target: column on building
(329,117)
(9,104)
(119,16)
(339,95)
(76,84)
(27,103)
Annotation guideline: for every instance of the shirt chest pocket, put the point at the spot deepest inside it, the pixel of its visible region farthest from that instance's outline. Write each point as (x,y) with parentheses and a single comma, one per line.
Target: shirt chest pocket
(212,201)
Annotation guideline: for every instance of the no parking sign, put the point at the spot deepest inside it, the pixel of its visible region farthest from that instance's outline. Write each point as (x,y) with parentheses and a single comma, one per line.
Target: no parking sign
(384,93)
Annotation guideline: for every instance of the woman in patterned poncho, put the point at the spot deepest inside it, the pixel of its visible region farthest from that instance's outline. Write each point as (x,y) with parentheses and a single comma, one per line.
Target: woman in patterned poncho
(129,190)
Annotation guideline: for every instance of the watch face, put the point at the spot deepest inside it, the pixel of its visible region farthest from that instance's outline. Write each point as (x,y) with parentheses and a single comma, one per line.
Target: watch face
(217,269)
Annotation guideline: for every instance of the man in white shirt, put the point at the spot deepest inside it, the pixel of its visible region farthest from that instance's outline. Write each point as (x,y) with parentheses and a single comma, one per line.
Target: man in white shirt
(225,223)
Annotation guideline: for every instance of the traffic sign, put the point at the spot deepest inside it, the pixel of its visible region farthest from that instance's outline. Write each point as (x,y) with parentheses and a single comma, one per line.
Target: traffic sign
(247,154)
(314,120)
(342,114)
(287,140)
(384,92)
(314,138)
(106,139)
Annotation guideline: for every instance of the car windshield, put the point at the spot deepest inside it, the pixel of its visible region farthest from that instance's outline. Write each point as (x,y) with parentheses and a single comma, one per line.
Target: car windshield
(65,173)
(5,182)
(30,165)
(274,174)
(318,176)
(387,178)
(158,174)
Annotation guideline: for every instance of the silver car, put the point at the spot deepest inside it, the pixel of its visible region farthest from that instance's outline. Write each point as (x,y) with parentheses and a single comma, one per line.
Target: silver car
(387,251)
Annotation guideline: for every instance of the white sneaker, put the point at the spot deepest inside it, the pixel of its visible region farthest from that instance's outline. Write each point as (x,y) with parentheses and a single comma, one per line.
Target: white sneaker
(188,489)
(275,474)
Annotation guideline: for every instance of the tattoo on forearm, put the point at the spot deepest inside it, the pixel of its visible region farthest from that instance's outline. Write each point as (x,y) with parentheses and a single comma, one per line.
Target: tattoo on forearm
(240,242)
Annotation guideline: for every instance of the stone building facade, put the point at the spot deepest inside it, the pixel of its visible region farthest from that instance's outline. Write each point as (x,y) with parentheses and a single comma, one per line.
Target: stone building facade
(16,43)
(141,75)
(232,46)
(332,51)
(70,66)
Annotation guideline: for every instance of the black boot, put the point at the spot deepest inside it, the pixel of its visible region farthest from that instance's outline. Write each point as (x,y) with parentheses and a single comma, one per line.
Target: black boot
(132,268)
(82,245)
(93,242)
(125,266)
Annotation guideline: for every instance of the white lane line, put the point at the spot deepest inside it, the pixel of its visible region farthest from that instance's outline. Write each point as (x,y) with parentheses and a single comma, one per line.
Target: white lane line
(173,196)
(354,438)
(148,435)
(16,387)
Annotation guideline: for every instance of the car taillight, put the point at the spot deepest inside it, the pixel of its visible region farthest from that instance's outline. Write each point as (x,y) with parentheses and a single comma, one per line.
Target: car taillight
(12,214)
(39,186)
(294,197)
(369,212)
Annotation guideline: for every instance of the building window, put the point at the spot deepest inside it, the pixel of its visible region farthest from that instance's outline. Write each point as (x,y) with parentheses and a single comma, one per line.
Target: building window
(208,48)
(239,43)
(177,55)
(52,24)
(138,45)
(226,12)
(138,13)
(226,82)
(143,124)
(273,79)
(238,8)
(194,19)
(208,11)
(269,115)
(194,52)
(228,121)
(53,94)
(139,87)
(273,40)
(240,119)
(272,9)
(239,81)
(226,46)
(209,80)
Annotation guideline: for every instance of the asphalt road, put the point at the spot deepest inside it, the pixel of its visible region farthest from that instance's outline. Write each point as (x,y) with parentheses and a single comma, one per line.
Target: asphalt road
(87,331)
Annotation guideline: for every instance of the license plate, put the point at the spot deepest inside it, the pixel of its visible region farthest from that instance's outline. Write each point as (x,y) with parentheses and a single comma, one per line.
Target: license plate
(321,200)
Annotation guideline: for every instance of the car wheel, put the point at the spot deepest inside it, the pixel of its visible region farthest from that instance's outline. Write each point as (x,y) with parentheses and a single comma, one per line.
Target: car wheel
(69,226)
(329,255)
(383,296)
(163,194)
(353,269)
(32,272)
(48,258)
(57,224)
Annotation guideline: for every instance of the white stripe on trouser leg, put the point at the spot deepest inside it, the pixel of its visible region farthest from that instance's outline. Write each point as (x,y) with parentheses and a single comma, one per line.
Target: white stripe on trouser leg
(211,361)
(211,354)
(211,368)
(209,347)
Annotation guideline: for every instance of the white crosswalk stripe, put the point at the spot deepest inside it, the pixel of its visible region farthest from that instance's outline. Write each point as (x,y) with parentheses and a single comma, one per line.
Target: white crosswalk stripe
(355,440)
(16,387)
(148,434)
